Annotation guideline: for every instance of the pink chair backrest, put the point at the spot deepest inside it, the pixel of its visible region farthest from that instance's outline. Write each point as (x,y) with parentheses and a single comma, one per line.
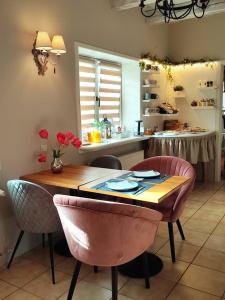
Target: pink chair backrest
(106,233)
(175,166)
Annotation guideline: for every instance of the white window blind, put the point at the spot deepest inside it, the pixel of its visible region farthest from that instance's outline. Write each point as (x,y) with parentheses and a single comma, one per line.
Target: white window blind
(102,81)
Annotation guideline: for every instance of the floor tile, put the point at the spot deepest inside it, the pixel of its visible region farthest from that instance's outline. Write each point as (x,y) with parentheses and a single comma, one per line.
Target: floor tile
(67,266)
(203,214)
(217,209)
(193,204)
(159,289)
(21,272)
(88,291)
(205,280)
(158,243)
(218,197)
(220,230)
(193,237)
(103,278)
(200,225)
(211,259)
(41,256)
(184,251)
(172,271)
(186,293)
(43,287)
(188,212)
(22,295)
(216,242)
(6,289)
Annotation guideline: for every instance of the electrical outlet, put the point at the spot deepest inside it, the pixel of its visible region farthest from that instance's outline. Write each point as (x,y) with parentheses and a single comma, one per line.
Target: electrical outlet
(44,147)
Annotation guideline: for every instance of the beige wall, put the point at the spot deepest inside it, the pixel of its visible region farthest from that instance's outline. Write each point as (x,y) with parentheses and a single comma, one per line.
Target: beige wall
(198,38)
(28,101)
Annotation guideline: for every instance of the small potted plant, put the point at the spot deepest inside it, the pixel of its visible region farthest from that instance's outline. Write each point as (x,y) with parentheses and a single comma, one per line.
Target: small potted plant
(179,91)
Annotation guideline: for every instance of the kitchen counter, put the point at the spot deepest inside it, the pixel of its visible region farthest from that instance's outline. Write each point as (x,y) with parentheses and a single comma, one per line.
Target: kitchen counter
(112,143)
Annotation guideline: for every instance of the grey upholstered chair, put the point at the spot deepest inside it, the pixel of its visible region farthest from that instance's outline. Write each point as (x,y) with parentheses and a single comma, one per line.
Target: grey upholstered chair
(35,213)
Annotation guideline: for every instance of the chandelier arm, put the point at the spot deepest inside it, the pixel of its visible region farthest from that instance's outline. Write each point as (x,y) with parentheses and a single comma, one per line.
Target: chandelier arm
(198,16)
(148,15)
(183,15)
(205,3)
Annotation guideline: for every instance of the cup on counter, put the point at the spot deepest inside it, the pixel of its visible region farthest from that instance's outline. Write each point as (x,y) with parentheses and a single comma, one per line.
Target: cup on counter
(147,96)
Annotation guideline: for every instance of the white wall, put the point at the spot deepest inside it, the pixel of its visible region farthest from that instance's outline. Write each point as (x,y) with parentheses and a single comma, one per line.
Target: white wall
(198,38)
(28,101)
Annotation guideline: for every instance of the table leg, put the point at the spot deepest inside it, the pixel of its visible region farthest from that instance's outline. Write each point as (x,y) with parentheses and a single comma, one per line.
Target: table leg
(61,247)
(137,269)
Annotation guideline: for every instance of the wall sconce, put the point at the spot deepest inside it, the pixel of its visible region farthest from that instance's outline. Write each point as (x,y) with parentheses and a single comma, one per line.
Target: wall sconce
(42,47)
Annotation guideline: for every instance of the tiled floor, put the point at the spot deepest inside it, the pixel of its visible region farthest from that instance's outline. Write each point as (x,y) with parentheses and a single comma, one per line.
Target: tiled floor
(198,274)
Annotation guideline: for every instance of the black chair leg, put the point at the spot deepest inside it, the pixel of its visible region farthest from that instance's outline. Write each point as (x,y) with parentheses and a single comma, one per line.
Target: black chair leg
(147,282)
(43,240)
(74,280)
(95,269)
(172,245)
(180,230)
(51,251)
(17,245)
(114,283)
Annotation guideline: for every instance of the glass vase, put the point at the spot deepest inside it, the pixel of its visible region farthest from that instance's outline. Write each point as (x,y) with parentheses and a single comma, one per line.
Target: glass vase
(57,165)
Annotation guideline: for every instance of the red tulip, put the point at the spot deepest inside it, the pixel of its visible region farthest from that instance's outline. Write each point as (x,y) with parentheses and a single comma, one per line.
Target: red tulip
(76,142)
(69,135)
(43,133)
(61,137)
(42,157)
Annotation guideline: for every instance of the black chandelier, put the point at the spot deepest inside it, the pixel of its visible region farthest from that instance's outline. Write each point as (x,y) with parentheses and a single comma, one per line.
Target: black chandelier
(171,10)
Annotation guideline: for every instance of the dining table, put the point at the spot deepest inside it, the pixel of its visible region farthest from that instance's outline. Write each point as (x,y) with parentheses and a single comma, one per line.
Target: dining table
(81,179)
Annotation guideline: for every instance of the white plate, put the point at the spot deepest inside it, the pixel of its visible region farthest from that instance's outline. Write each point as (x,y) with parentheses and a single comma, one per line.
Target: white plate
(123,185)
(146,174)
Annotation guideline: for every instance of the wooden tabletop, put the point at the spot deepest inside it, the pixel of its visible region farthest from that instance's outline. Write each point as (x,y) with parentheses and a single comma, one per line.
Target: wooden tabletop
(71,177)
(155,194)
(85,178)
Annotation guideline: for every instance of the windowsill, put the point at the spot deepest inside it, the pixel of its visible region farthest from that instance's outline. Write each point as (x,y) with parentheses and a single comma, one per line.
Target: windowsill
(112,143)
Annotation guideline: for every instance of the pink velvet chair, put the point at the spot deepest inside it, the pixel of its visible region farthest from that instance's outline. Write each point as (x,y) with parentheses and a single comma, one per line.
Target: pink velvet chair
(104,233)
(173,206)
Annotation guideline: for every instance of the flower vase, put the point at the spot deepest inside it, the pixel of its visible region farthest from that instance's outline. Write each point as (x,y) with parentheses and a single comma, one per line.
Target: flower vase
(56,165)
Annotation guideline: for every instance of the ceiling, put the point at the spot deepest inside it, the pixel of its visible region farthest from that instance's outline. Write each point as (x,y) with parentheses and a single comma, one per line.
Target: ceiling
(215,6)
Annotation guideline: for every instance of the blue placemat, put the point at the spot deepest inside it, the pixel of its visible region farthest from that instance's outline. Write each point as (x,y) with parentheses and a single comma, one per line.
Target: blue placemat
(159,179)
(143,183)
(142,186)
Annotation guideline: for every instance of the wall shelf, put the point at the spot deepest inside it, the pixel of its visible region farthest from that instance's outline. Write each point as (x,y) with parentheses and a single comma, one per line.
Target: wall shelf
(205,88)
(150,86)
(203,107)
(160,115)
(150,72)
(148,101)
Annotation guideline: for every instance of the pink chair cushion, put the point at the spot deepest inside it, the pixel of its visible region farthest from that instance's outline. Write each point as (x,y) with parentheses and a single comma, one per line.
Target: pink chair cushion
(173,206)
(106,233)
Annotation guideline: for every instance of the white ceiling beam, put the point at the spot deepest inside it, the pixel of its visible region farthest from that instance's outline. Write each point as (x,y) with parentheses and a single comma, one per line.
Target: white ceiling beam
(124,4)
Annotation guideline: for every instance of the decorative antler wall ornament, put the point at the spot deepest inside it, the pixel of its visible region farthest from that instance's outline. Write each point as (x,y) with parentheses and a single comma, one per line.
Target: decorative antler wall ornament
(40,58)
(42,47)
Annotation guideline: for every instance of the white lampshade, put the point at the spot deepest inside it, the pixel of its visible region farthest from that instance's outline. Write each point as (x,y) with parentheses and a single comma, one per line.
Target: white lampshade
(58,45)
(43,41)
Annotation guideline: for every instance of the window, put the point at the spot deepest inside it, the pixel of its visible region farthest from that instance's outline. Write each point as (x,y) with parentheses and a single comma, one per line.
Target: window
(100,91)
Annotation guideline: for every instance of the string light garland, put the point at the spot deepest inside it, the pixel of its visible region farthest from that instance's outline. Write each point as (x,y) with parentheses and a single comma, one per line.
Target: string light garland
(168,63)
